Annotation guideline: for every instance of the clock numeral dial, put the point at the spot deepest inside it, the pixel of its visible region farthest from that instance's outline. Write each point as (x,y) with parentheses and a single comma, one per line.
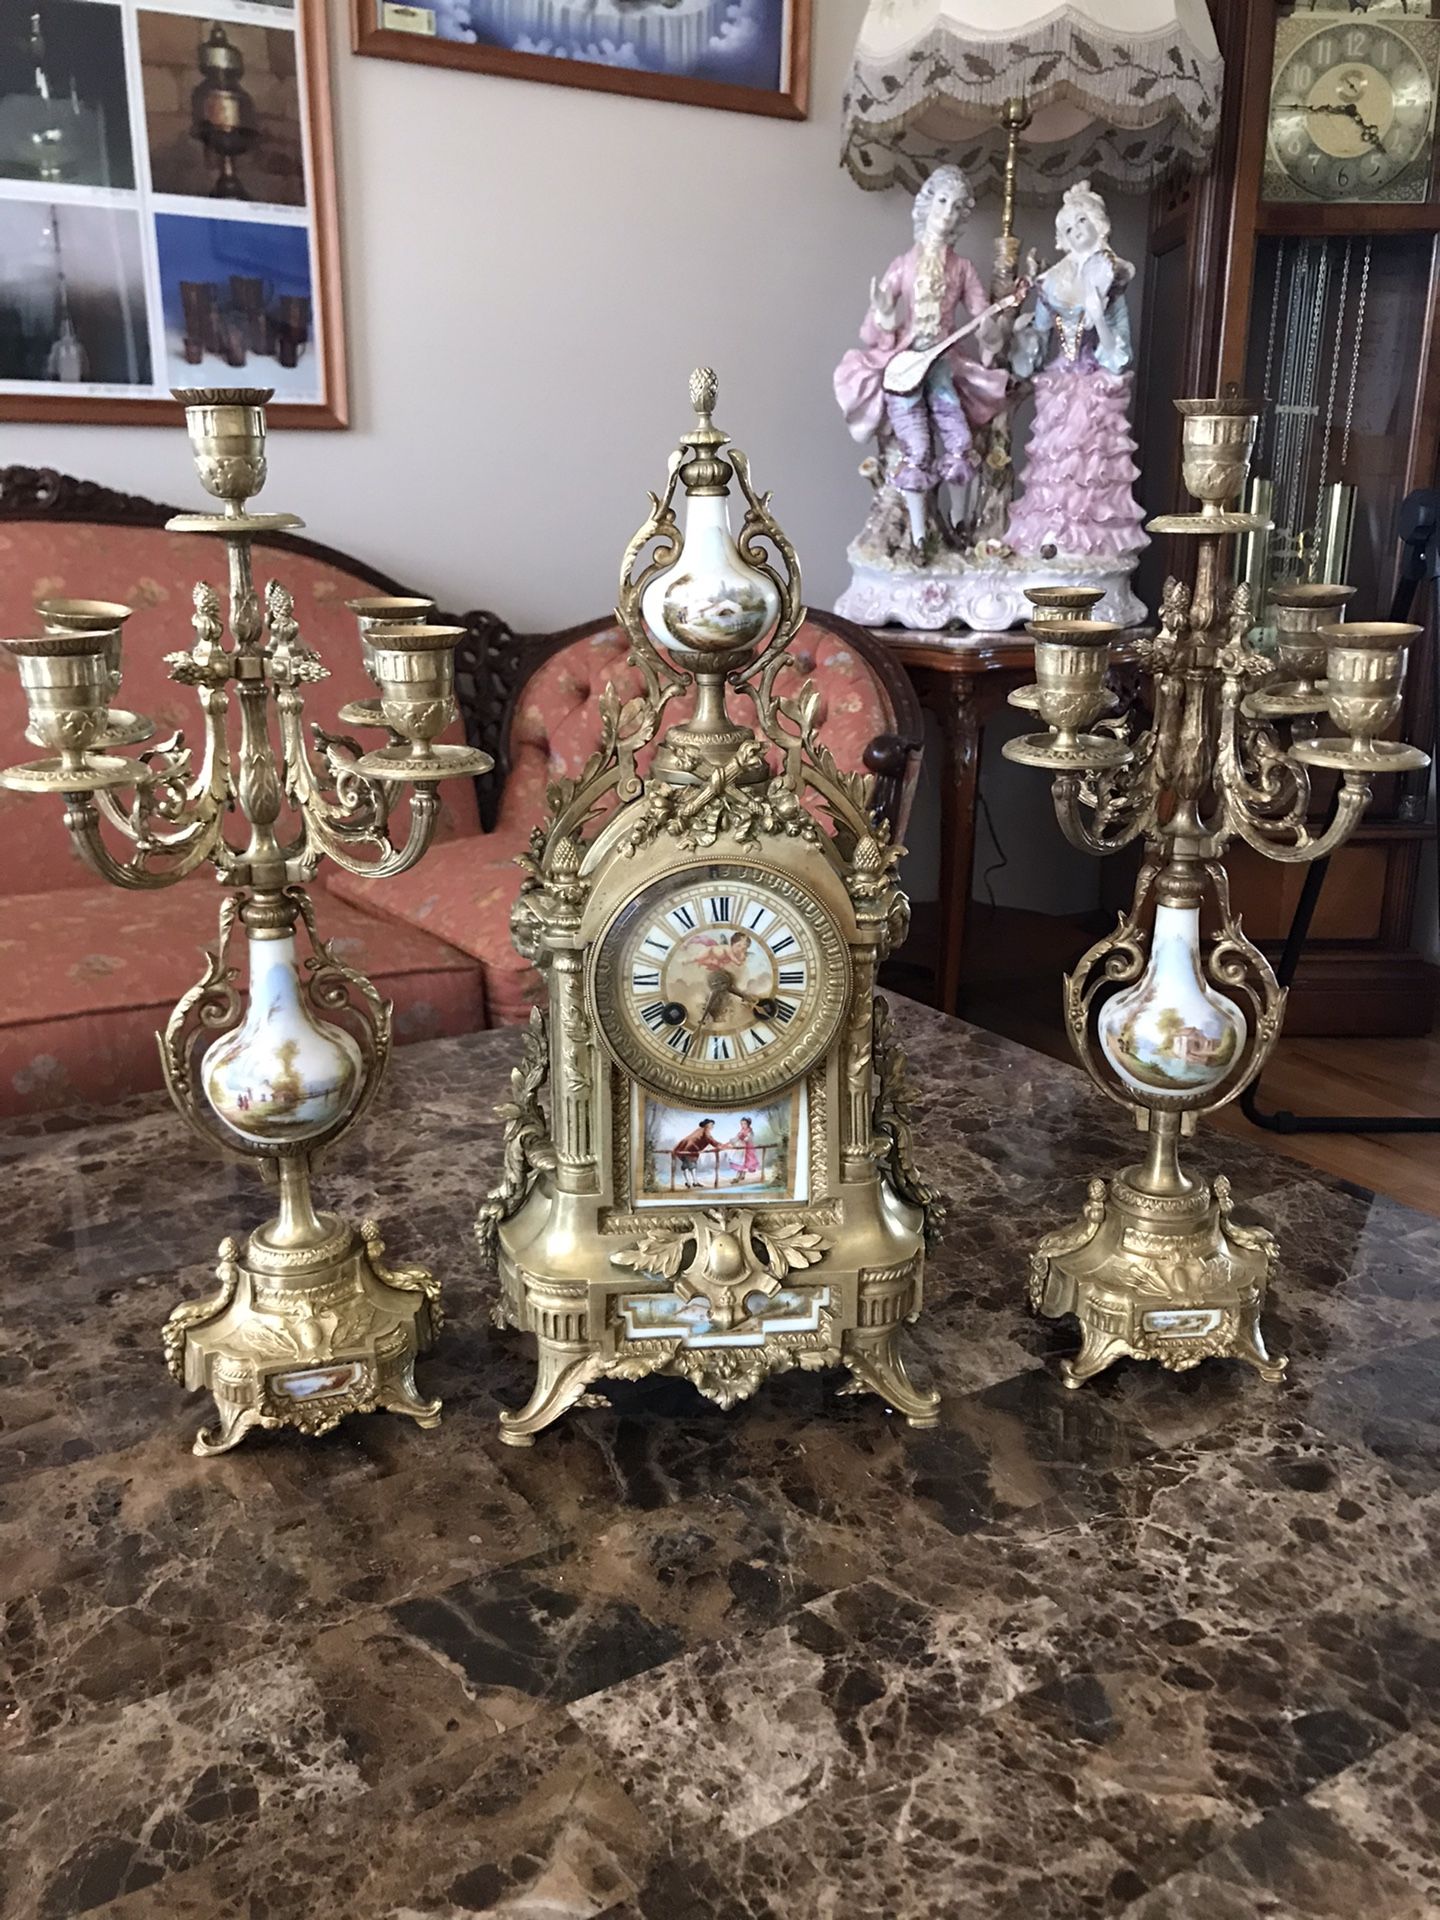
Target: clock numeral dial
(727,981)
(1352,111)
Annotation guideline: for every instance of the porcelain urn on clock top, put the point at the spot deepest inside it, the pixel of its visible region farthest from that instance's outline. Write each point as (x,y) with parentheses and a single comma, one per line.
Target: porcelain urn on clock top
(718,1183)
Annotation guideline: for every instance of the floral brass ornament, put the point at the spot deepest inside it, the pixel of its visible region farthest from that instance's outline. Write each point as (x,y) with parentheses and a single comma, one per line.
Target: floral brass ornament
(735,1261)
(307,1323)
(1167,1021)
(709,932)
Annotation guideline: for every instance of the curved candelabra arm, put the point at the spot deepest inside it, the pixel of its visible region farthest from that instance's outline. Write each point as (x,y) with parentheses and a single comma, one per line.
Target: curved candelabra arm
(343,811)
(160,858)
(1122,802)
(174,822)
(1264,795)
(327,835)
(1268,811)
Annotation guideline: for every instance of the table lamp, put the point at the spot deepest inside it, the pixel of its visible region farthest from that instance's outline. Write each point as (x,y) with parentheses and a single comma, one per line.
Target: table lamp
(1025,95)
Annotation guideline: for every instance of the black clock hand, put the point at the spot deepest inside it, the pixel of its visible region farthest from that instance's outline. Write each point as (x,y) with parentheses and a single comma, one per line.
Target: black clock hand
(1347,111)
(719,987)
(1372,134)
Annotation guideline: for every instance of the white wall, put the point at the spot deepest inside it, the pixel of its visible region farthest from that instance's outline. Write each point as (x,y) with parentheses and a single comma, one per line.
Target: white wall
(531,273)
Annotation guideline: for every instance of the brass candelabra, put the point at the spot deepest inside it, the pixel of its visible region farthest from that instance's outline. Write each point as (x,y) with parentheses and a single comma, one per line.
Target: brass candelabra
(308,1323)
(1166,1022)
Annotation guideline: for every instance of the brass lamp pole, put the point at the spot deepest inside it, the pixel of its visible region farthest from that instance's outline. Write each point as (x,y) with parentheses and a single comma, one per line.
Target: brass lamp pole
(997,484)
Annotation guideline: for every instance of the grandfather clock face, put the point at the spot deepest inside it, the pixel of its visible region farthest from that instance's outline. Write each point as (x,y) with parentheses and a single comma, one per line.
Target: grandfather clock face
(1352,109)
(720,983)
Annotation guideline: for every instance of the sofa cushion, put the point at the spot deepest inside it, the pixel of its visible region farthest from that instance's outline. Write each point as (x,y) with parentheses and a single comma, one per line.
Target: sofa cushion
(462,893)
(92,975)
(154,572)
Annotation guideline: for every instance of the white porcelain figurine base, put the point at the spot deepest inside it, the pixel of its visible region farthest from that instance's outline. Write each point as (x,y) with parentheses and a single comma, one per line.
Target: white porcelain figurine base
(987,596)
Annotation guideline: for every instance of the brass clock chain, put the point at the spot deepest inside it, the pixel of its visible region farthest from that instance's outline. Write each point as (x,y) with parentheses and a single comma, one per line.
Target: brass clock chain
(1265,453)
(1296,408)
(1342,301)
(1360,302)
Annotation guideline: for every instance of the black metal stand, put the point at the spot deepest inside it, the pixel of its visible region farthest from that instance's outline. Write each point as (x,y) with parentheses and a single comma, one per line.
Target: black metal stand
(1419,533)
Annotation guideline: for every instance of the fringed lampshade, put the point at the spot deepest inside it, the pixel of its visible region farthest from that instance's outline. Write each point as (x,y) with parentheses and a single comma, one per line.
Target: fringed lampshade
(1122,91)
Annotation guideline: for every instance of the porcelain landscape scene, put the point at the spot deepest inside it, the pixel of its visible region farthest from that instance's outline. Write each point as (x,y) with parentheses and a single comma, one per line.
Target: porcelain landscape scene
(282,1075)
(716,599)
(1171,1032)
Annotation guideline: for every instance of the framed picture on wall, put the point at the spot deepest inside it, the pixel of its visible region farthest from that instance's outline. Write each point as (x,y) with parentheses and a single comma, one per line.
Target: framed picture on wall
(752,56)
(167,209)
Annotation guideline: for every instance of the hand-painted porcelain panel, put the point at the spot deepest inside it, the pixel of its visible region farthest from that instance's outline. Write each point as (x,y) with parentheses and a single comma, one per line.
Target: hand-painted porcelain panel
(282,1075)
(1172,1032)
(710,599)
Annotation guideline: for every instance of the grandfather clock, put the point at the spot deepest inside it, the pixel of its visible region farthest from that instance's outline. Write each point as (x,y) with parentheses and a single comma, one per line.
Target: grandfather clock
(1307,266)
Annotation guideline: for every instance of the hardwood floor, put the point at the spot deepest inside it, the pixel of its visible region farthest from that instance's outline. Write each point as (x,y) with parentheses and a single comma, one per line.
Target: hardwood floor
(1012,986)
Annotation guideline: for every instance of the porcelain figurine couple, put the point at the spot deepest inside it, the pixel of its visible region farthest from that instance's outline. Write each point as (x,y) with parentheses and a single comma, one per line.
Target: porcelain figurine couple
(939,361)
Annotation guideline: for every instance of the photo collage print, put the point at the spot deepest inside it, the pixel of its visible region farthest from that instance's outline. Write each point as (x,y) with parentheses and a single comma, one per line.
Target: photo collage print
(156,210)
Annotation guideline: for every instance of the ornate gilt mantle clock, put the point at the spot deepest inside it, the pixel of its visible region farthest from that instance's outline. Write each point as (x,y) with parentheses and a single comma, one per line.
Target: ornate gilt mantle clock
(723,1188)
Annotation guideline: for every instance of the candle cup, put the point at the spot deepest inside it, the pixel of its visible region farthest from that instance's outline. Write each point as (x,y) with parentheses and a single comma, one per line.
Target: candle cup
(66,677)
(104,618)
(376,610)
(226,426)
(1052,604)
(1365,673)
(1064,603)
(415,671)
(1072,658)
(1216,442)
(1300,610)
(1300,616)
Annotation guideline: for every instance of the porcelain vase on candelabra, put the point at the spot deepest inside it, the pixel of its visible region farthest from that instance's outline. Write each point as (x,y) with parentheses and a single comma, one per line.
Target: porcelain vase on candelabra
(1171,1020)
(308,1323)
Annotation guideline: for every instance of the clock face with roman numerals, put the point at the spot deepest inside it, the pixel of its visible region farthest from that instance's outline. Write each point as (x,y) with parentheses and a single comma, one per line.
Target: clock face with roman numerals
(720,982)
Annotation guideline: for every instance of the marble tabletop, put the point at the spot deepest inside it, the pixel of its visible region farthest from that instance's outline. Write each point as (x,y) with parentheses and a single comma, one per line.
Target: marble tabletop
(1163,1648)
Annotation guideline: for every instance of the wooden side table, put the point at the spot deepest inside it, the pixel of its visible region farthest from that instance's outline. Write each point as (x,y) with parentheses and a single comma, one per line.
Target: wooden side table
(964,680)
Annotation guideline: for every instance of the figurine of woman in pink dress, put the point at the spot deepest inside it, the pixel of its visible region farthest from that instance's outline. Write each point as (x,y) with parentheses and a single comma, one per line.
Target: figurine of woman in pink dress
(927,433)
(1080,466)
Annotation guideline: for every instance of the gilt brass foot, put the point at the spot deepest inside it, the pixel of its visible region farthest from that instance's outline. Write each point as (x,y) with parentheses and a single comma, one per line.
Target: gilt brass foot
(876,1366)
(1251,1347)
(301,1336)
(1164,1277)
(563,1372)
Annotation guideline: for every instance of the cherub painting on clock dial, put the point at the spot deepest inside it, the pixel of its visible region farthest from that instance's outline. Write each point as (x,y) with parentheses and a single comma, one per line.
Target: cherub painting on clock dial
(724,989)
(722,984)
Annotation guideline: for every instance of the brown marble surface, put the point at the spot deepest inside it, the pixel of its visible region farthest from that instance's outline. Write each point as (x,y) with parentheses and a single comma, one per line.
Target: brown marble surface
(1164,1648)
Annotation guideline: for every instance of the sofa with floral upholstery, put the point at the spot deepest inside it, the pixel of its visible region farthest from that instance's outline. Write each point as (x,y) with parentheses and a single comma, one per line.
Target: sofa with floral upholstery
(91,971)
(462,894)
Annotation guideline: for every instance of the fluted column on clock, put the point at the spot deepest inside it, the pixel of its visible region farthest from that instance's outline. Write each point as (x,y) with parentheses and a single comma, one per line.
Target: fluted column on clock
(858,1140)
(574,1097)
